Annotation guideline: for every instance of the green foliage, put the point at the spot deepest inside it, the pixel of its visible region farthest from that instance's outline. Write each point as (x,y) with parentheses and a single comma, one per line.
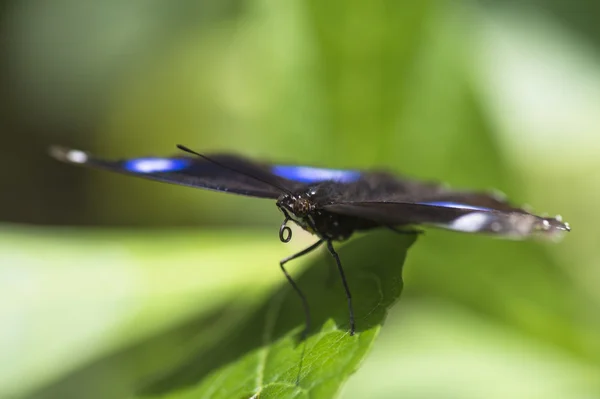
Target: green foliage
(238,347)
(184,314)
(264,354)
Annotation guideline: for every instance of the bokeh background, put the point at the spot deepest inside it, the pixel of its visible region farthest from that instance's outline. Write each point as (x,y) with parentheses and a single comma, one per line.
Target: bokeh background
(479,94)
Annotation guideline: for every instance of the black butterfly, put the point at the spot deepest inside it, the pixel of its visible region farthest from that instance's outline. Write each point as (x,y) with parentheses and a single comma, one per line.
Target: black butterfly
(332,204)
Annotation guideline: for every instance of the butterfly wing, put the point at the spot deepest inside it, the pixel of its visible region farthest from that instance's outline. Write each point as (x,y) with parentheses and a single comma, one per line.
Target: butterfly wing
(309,175)
(391,201)
(454,216)
(235,178)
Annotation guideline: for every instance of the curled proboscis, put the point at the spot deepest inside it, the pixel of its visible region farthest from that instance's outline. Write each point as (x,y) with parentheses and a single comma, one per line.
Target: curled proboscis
(285,232)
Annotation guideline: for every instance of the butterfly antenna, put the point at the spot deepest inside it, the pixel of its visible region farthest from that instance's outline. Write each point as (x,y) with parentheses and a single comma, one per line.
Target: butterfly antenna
(270,183)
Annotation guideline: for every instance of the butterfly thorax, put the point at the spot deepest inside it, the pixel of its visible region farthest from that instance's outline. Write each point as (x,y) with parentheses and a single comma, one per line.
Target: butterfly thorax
(302,210)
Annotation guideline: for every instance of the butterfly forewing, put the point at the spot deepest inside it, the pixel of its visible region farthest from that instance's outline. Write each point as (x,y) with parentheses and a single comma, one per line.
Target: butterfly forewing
(312,175)
(188,171)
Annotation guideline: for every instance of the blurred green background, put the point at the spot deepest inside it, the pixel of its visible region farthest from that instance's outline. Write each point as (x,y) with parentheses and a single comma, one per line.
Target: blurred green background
(479,94)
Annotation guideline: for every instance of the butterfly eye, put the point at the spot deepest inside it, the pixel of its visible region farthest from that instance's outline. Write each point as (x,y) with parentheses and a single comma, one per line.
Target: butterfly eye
(301,207)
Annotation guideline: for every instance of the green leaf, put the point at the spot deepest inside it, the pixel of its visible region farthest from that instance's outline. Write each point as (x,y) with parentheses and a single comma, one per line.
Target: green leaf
(87,309)
(192,318)
(265,354)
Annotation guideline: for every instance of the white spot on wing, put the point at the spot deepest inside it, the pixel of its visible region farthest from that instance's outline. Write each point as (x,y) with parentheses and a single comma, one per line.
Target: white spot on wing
(471,222)
(546,224)
(76,156)
(496,226)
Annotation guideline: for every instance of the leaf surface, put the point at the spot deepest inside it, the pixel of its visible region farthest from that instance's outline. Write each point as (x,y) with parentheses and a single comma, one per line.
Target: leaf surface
(265,356)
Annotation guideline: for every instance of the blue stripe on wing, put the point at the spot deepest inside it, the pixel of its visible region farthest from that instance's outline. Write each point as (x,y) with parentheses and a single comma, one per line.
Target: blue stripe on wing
(153,165)
(447,204)
(308,175)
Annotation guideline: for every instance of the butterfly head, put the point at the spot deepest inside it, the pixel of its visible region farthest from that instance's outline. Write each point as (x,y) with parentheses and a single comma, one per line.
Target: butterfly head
(297,208)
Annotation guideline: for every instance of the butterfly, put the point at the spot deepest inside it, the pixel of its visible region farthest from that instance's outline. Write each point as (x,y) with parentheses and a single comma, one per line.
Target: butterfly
(332,204)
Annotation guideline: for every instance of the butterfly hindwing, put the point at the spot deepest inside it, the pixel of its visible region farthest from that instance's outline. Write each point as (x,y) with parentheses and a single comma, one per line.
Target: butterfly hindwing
(453,216)
(394,201)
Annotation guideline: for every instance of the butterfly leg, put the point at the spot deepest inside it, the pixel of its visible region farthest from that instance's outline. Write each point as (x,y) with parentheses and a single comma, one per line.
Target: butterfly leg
(346,288)
(332,273)
(295,286)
